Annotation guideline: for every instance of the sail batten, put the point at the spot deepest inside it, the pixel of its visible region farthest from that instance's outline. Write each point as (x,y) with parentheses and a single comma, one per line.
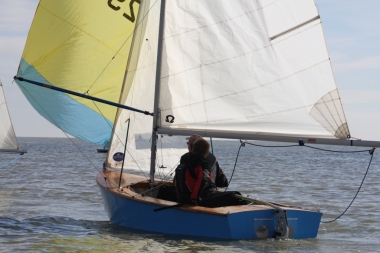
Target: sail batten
(294,28)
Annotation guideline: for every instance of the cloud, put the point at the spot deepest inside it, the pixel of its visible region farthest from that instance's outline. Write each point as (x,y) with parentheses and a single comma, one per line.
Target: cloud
(11,46)
(360,96)
(364,125)
(360,64)
(339,41)
(16,16)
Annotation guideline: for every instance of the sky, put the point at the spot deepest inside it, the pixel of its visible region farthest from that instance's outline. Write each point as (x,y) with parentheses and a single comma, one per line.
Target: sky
(352,32)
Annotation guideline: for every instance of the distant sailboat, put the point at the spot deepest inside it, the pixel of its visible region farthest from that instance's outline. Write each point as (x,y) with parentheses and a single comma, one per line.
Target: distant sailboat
(8,141)
(255,70)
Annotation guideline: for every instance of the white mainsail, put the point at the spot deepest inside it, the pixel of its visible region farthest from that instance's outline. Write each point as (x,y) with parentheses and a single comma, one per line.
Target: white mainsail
(257,67)
(253,67)
(8,141)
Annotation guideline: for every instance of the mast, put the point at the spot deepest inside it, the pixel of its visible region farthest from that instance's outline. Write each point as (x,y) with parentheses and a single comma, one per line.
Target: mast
(157,94)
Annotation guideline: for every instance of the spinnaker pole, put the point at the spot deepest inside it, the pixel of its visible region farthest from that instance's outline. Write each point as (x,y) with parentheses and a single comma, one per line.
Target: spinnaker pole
(48,86)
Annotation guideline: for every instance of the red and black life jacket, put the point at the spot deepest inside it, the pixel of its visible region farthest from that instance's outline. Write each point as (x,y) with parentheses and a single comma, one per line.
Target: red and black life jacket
(188,182)
(192,179)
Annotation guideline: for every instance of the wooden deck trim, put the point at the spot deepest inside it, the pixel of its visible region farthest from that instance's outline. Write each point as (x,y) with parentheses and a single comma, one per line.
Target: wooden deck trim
(112,183)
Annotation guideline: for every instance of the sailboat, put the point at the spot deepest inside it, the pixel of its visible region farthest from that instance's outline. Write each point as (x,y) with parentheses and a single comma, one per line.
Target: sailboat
(253,70)
(8,140)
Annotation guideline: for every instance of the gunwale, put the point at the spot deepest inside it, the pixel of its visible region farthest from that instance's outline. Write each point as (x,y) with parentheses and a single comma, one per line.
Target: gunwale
(109,181)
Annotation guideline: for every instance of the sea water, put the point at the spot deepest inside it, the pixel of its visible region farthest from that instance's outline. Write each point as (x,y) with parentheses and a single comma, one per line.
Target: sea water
(49,201)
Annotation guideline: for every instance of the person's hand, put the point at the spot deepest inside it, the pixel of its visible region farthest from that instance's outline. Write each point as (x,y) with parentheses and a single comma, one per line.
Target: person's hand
(194,202)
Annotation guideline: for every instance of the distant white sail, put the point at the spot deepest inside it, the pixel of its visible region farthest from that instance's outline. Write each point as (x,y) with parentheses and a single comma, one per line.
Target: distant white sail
(8,141)
(258,67)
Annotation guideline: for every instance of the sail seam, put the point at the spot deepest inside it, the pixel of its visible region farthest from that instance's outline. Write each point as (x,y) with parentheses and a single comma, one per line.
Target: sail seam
(53,14)
(237,56)
(221,22)
(243,91)
(261,115)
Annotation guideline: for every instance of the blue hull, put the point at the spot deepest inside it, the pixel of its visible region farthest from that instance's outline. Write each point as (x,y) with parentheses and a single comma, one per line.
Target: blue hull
(251,224)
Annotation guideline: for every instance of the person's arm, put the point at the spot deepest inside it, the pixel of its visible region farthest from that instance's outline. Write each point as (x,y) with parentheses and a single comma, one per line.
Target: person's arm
(220,179)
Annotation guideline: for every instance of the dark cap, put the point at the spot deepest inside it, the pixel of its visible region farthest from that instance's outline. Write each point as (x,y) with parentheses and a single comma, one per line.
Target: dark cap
(190,139)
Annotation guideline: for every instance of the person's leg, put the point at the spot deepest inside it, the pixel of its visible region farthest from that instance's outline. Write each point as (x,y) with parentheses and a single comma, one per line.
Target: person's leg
(218,199)
(167,192)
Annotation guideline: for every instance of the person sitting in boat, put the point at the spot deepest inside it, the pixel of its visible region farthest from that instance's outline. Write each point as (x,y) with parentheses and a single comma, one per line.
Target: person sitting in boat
(197,173)
(201,190)
(217,176)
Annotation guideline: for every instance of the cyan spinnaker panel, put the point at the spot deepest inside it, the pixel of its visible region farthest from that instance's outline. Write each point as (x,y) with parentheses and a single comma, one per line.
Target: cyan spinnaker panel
(82,46)
(74,117)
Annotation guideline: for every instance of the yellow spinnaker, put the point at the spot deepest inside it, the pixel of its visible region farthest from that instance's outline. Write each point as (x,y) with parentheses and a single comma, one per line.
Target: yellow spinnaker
(83,46)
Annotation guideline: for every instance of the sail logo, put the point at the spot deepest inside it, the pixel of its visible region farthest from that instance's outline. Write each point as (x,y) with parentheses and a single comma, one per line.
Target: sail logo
(118,157)
(130,17)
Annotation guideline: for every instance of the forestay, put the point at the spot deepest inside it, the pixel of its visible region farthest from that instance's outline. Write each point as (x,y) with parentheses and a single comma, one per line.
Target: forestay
(259,67)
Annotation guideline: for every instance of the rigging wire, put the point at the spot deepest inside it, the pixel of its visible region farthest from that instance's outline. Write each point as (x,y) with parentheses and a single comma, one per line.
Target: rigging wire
(357,192)
(87,158)
(337,151)
(371,151)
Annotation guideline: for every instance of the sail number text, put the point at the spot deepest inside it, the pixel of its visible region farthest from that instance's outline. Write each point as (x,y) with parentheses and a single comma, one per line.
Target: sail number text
(131,17)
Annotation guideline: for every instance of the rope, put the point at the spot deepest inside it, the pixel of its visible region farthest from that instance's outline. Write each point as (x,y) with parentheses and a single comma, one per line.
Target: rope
(371,151)
(357,192)
(15,159)
(257,145)
(237,156)
(242,144)
(337,151)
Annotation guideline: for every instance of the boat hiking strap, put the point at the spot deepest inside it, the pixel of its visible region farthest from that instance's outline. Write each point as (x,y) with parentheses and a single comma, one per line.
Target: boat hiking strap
(302,144)
(14,159)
